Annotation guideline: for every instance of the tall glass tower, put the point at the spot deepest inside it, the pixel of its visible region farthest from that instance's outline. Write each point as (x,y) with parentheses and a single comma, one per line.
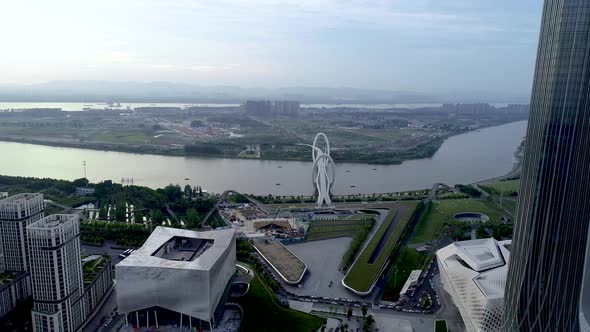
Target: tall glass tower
(553,213)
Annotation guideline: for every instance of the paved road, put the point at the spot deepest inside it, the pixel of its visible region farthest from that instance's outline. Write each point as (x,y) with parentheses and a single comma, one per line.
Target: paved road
(109,306)
(104,250)
(385,320)
(426,286)
(323,278)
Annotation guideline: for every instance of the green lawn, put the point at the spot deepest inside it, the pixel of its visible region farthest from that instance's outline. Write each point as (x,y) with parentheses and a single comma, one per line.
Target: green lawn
(5,277)
(54,195)
(362,274)
(121,136)
(507,187)
(407,261)
(69,200)
(358,216)
(443,211)
(509,204)
(440,325)
(91,268)
(263,313)
(331,229)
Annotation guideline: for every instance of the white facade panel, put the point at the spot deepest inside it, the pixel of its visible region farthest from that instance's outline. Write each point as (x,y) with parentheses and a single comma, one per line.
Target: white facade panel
(191,287)
(474,274)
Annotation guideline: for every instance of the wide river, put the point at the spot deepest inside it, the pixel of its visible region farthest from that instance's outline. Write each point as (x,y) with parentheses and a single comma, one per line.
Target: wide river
(465,158)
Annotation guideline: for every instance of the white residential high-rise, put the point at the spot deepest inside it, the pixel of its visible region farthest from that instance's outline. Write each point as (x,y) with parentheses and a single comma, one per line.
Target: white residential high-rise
(56,273)
(16,212)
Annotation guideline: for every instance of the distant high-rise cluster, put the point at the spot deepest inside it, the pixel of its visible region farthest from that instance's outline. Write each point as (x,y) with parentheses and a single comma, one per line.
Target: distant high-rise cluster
(268,107)
(484,108)
(41,258)
(468,108)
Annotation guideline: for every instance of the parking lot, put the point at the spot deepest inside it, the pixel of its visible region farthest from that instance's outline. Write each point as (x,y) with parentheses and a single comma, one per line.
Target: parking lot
(323,259)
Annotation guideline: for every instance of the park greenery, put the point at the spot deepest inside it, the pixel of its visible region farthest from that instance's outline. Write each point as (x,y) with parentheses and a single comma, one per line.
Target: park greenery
(425,301)
(407,260)
(355,245)
(156,205)
(453,196)
(363,273)
(469,190)
(244,250)
(262,312)
(6,277)
(352,198)
(260,302)
(245,253)
(123,234)
(436,221)
(61,191)
(441,215)
(146,201)
(91,268)
(440,325)
(508,187)
(320,230)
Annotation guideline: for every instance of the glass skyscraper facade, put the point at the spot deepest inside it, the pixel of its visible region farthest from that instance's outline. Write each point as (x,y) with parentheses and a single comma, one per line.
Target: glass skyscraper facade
(553,212)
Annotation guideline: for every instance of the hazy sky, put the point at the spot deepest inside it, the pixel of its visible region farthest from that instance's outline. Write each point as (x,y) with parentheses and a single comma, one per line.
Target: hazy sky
(414,45)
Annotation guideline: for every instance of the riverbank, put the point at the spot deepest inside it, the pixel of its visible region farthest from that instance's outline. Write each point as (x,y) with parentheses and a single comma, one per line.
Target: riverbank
(516,169)
(465,158)
(425,150)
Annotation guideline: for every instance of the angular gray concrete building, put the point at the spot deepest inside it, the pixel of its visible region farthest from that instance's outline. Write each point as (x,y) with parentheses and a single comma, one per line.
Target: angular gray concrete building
(177,278)
(553,213)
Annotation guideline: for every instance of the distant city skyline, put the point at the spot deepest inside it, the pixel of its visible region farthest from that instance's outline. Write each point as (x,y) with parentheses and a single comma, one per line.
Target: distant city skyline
(405,45)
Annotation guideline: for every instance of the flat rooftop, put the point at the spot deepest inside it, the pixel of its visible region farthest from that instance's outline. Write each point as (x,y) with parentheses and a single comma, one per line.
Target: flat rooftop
(54,220)
(289,267)
(21,198)
(181,248)
(412,280)
(483,261)
(481,254)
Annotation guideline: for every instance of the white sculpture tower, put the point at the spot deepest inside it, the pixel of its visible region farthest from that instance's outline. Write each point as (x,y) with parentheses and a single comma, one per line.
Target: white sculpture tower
(323,170)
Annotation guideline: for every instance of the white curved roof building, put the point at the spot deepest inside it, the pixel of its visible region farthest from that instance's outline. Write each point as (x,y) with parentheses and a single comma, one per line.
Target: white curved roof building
(177,277)
(474,273)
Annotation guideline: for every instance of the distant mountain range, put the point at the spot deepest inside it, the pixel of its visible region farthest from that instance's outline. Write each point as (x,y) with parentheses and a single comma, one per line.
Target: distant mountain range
(101,91)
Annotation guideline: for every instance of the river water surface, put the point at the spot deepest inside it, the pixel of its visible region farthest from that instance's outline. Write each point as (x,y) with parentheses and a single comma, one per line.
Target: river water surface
(464,158)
